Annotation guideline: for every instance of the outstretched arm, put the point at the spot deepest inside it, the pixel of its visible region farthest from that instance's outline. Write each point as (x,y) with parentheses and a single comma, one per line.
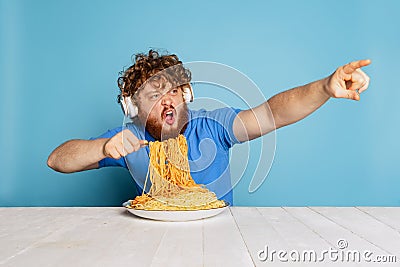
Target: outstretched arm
(288,107)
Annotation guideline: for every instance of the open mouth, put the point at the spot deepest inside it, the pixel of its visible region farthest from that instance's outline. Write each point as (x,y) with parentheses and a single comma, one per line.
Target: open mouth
(169,116)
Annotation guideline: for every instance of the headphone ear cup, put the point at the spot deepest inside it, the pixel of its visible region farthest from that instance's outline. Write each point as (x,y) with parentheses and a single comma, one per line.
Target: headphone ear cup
(132,109)
(122,102)
(188,94)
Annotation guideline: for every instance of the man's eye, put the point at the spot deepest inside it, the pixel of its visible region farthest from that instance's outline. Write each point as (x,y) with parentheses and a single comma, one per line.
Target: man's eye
(155,96)
(174,91)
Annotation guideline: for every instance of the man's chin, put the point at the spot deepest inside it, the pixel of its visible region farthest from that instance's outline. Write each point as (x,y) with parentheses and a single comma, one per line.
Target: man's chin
(169,133)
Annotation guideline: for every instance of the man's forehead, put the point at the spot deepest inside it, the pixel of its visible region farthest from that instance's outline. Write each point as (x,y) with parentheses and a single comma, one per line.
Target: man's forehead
(151,86)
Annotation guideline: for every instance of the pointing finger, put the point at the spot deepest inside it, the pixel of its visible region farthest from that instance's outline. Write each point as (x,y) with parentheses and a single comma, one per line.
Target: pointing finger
(352,66)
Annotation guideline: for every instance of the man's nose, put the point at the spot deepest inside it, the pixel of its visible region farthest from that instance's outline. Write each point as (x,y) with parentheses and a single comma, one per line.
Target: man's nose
(166,100)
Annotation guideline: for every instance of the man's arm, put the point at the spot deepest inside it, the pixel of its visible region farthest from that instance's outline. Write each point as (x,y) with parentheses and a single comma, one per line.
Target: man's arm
(79,155)
(293,105)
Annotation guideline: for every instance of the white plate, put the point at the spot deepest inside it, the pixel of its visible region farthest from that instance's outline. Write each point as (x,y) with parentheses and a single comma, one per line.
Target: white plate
(176,215)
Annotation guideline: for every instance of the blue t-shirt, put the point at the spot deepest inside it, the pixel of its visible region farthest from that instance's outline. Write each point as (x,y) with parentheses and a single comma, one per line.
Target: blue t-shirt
(209,135)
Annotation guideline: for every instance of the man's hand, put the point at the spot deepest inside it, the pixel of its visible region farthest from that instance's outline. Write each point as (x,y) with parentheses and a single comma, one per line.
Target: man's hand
(348,81)
(122,144)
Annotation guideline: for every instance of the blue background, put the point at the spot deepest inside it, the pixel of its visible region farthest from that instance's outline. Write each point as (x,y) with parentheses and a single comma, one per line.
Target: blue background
(60,61)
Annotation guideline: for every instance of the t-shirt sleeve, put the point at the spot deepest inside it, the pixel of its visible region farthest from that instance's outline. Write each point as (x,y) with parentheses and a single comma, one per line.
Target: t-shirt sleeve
(106,162)
(223,125)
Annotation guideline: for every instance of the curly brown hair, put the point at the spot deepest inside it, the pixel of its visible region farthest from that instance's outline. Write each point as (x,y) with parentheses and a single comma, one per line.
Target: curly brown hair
(146,66)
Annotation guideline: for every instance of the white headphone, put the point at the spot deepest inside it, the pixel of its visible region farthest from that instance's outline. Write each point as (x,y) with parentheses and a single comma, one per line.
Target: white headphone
(131,110)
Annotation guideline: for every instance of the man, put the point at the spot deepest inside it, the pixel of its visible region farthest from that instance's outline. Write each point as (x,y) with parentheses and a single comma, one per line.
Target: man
(154,93)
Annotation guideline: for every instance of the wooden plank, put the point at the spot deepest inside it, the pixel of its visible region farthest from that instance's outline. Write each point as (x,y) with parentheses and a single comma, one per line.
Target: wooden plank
(256,230)
(331,232)
(223,243)
(130,240)
(364,226)
(257,233)
(138,245)
(275,229)
(387,215)
(20,228)
(181,245)
(292,230)
(299,238)
(94,238)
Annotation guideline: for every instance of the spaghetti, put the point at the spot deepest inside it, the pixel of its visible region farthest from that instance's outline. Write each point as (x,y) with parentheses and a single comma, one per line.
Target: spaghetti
(172,187)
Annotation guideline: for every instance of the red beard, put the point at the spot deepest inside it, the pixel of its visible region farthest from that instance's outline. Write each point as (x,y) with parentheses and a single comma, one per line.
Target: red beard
(156,129)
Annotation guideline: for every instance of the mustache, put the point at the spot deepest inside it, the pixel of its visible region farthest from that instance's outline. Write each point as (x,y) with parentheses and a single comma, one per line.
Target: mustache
(168,108)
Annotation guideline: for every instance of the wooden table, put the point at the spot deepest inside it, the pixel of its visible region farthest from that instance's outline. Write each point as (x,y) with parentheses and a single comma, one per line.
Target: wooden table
(237,237)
